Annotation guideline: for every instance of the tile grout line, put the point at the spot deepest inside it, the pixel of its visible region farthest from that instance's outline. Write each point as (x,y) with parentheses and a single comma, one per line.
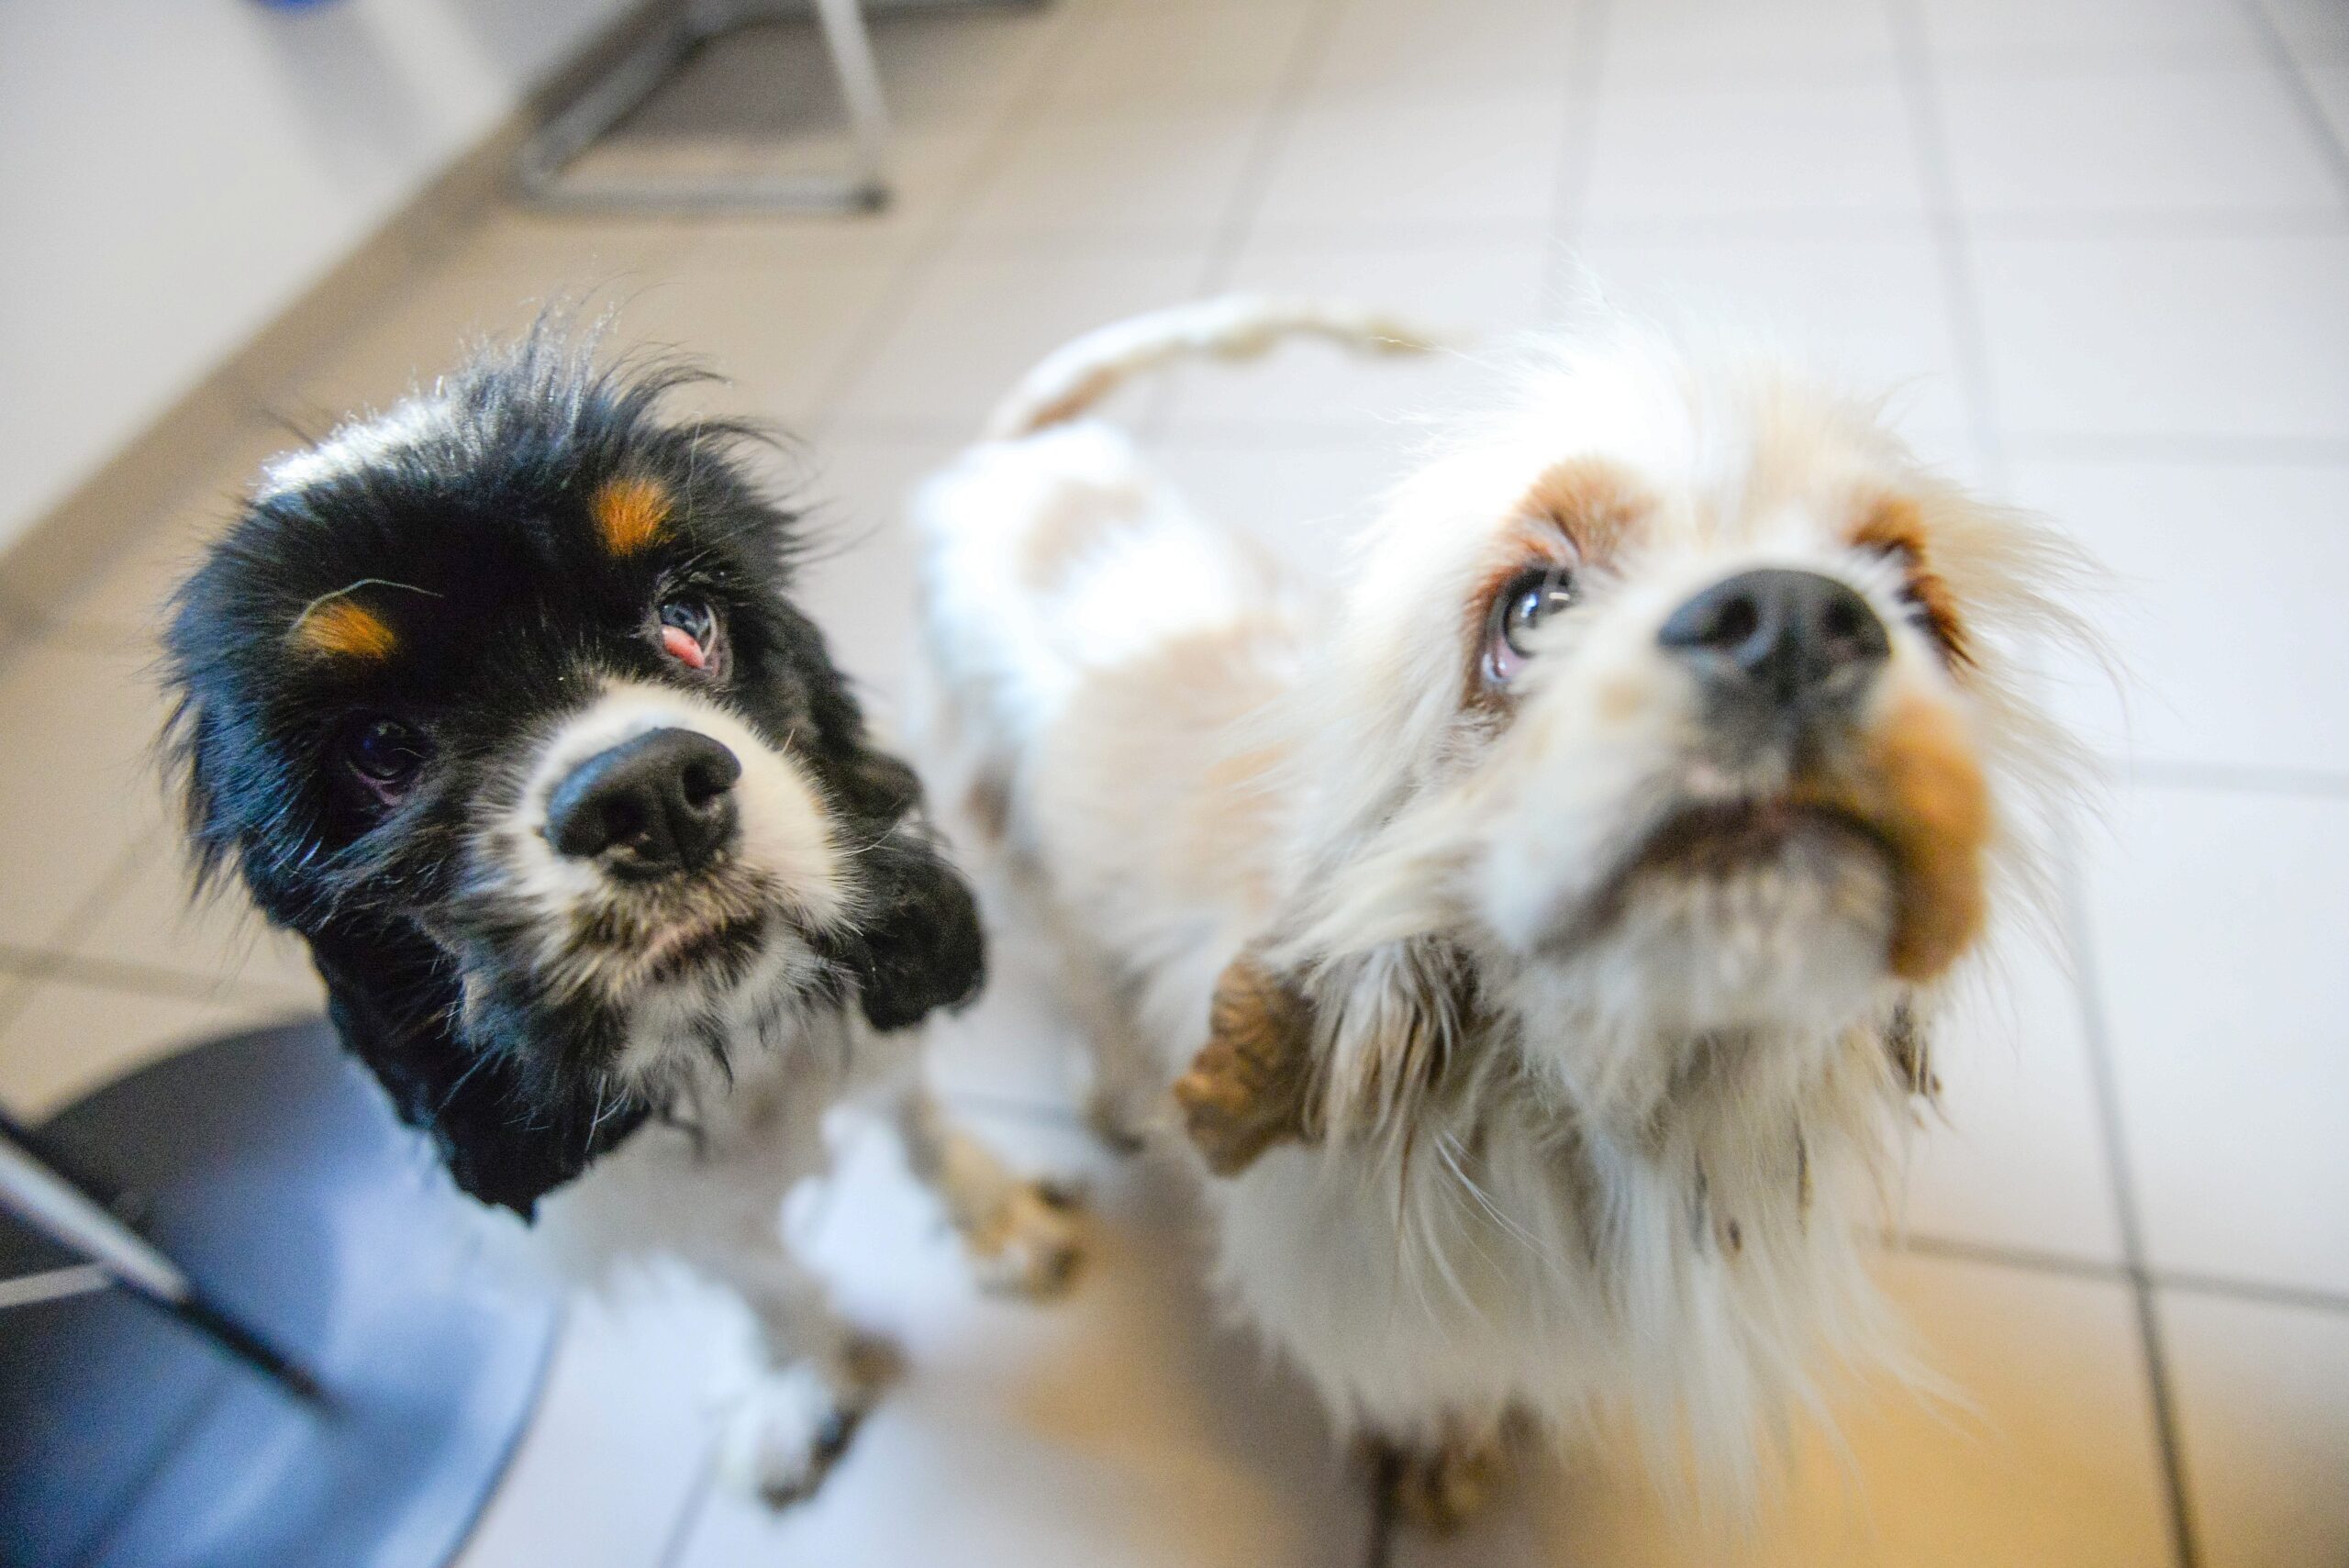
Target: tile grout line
(2316,784)
(2103,1073)
(2169,448)
(2030,1260)
(1944,216)
(690,1509)
(920,262)
(1276,119)
(2285,62)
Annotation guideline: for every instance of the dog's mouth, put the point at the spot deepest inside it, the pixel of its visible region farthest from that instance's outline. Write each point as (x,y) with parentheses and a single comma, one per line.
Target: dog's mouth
(1909,817)
(1719,844)
(1721,839)
(673,932)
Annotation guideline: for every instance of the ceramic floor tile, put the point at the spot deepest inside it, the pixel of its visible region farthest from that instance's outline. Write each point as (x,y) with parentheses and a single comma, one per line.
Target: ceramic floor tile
(1119,1424)
(1168,174)
(985,314)
(66,1039)
(2050,1459)
(2263,1410)
(1427,165)
(2152,336)
(1673,41)
(218,942)
(1871,313)
(431,329)
(1383,50)
(2220,609)
(128,598)
(776,336)
(566,249)
(2014,1156)
(616,1452)
(1747,150)
(859,579)
(2086,30)
(928,173)
(956,70)
(1232,55)
(2215,920)
(1476,298)
(2144,140)
(78,780)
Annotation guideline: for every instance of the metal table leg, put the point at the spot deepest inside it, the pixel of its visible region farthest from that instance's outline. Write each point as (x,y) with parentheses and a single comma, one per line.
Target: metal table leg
(573,128)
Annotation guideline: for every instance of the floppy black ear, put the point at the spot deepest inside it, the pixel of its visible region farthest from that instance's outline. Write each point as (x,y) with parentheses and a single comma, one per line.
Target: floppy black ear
(505,1139)
(918,945)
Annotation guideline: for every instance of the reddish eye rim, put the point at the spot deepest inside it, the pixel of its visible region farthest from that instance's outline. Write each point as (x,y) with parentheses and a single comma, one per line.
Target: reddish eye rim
(688,630)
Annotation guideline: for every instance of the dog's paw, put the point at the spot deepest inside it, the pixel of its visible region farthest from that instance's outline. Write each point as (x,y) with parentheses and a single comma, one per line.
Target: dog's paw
(1029,1244)
(788,1427)
(1440,1489)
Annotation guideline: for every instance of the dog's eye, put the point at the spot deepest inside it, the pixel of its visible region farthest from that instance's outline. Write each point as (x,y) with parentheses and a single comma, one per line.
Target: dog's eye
(1532,597)
(689,632)
(387,755)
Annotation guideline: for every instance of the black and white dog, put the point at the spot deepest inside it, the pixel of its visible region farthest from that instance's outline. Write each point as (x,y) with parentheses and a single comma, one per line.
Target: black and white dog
(499,700)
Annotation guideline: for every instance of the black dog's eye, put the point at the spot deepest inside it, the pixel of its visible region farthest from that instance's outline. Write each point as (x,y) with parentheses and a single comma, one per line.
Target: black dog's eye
(688,632)
(387,754)
(1532,597)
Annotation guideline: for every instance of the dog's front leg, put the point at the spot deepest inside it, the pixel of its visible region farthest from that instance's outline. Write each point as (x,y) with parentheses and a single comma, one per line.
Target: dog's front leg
(795,1415)
(1021,1234)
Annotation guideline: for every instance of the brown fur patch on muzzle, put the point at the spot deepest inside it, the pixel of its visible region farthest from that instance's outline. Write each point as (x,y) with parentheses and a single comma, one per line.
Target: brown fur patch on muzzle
(1920,785)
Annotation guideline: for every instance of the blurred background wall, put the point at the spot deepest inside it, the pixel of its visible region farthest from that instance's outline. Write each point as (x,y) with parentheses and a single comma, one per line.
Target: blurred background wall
(173,178)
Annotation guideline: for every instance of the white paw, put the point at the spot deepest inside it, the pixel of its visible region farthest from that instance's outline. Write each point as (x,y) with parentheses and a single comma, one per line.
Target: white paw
(1029,1243)
(784,1433)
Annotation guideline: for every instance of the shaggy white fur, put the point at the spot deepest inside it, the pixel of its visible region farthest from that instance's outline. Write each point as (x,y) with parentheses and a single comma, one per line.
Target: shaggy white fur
(1613,1003)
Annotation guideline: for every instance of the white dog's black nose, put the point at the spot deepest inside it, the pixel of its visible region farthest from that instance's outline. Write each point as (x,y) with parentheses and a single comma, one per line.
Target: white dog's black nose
(652,806)
(1781,635)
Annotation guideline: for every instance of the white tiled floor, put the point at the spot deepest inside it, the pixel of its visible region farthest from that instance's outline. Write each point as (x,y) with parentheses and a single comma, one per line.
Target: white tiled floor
(2101,249)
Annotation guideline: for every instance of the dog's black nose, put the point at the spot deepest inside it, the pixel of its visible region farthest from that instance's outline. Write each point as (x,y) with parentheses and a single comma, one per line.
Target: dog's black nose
(1784,635)
(649,807)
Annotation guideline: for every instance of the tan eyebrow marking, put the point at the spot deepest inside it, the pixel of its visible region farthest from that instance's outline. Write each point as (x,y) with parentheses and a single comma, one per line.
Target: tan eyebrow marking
(1574,514)
(1896,525)
(339,628)
(1592,500)
(629,513)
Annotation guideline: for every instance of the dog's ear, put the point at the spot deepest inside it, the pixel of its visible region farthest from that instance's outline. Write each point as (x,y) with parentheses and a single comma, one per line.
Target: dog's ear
(505,1140)
(1349,1045)
(918,945)
(1251,1086)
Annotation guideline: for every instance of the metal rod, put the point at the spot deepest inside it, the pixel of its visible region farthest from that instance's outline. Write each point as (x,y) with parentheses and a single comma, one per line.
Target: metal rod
(71,1216)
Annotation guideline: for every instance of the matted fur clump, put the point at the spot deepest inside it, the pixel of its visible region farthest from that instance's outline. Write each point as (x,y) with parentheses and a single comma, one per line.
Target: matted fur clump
(1535,917)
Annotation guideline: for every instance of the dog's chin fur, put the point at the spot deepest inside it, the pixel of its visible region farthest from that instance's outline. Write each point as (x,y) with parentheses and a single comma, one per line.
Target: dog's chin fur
(524,570)
(1607,1003)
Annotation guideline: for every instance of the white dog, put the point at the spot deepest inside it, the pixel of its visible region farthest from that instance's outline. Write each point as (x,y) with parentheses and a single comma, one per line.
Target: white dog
(1538,916)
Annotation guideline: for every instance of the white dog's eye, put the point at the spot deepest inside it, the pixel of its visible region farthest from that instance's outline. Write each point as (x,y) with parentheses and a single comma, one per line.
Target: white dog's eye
(1532,597)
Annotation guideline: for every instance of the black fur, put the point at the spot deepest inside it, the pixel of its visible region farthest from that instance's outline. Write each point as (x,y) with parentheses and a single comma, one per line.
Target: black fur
(472,534)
